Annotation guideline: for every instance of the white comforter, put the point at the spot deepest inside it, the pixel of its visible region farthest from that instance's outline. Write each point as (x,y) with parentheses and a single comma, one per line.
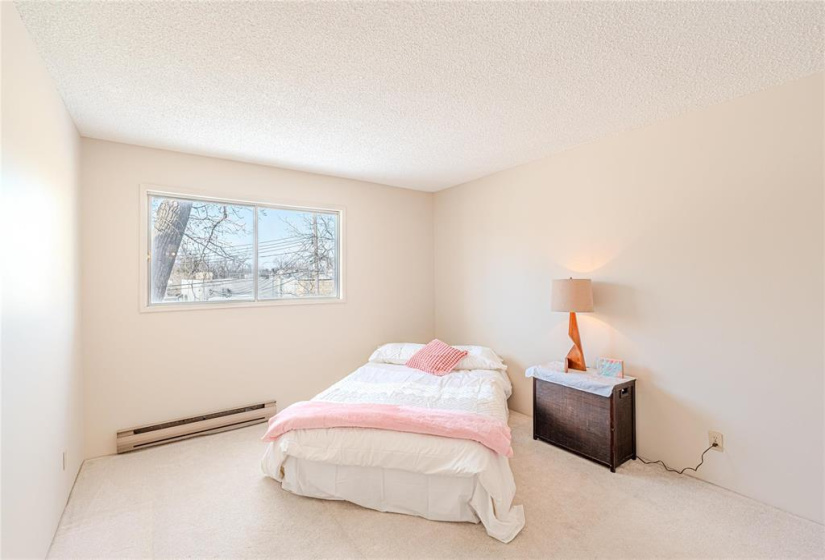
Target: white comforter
(478,391)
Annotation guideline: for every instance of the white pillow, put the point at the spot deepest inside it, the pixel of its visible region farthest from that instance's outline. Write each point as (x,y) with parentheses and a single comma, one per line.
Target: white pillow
(395,353)
(478,357)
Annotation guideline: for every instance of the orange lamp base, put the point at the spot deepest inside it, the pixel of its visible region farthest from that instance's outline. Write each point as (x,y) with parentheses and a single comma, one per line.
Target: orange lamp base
(575,358)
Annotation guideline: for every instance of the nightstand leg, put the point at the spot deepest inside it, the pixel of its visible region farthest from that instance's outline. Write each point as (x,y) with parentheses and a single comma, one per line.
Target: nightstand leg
(612,469)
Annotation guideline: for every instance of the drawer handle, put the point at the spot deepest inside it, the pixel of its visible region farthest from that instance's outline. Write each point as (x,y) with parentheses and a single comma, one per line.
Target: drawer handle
(623,392)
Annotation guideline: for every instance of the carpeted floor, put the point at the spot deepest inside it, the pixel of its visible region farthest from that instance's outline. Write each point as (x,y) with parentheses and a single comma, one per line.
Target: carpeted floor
(207,498)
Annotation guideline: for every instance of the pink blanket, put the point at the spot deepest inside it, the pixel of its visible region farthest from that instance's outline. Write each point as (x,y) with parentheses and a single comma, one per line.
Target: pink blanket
(489,432)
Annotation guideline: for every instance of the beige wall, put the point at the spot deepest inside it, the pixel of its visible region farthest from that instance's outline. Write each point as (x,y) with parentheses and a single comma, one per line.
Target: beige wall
(704,236)
(149,367)
(41,378)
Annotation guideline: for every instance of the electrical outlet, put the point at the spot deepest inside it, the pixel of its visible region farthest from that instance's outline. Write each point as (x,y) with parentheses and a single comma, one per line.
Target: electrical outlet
(718,439)
(64,460)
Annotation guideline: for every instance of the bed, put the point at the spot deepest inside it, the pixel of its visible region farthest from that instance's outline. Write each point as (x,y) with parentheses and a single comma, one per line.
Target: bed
(410,472)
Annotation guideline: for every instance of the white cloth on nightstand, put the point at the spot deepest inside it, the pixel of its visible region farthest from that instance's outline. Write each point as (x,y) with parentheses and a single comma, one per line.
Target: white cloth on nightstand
(588,381)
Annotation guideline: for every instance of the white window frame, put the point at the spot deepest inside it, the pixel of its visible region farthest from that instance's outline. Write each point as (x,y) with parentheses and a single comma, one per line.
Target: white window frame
(145,234)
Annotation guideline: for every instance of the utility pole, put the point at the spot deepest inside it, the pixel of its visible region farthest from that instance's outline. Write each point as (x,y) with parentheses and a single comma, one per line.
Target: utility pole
(317,259)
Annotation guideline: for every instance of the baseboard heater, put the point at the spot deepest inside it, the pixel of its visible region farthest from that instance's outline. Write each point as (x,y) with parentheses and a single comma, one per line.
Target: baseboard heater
(185,428)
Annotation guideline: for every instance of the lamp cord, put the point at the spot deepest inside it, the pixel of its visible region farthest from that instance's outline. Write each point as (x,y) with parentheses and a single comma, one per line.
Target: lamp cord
(694,469)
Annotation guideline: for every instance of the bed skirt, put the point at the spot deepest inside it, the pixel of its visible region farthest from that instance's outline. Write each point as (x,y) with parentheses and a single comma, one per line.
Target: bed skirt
(432,496)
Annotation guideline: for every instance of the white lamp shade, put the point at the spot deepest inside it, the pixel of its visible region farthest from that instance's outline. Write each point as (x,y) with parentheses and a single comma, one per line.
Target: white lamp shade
(572,295)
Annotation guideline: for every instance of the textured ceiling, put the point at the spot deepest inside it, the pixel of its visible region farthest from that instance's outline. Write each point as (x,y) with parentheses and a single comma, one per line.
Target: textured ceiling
(419,95)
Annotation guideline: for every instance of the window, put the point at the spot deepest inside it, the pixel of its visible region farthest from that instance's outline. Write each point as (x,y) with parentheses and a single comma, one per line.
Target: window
(209,251)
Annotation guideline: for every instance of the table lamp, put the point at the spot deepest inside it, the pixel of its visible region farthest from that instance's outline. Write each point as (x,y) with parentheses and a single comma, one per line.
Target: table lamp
(573,296)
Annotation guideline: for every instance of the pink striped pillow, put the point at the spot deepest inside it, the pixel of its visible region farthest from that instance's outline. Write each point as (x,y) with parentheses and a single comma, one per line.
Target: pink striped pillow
(436,358)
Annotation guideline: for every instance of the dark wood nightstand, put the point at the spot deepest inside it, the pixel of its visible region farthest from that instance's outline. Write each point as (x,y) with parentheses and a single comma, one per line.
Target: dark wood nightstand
(602,429)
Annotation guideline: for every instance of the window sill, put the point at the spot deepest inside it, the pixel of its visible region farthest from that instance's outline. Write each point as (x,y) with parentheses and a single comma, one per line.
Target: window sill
(162,308)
